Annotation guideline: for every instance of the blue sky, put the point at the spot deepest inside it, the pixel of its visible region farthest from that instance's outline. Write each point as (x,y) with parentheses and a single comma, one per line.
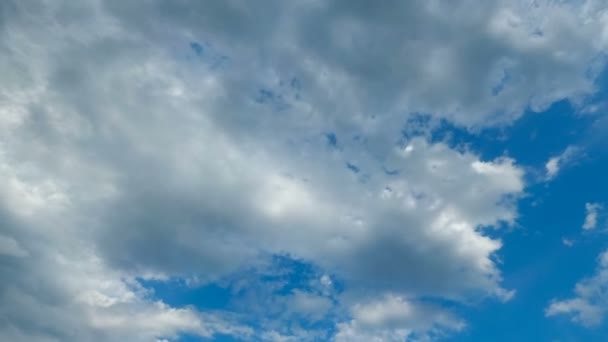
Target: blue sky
(340,171)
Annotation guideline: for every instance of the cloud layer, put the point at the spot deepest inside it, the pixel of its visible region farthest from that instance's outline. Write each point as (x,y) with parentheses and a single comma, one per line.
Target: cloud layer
(193,140)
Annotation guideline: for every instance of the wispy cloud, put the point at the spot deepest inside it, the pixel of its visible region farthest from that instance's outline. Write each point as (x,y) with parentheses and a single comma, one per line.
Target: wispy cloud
(591,215)
(590,303)
(557,163)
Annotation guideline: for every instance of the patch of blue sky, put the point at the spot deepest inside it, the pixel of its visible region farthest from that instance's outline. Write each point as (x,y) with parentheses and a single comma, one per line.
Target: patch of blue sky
(332,139)
(280,277)
(531,140)
(292,273)
(276,101)
(202,53)
(501,84)
(539,267)
(352,167)
(197,48)
(178,292)
(279,96)
(295,84)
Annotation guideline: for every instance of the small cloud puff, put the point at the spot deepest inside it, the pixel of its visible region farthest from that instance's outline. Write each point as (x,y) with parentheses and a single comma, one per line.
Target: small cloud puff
(555,164)
(591,216)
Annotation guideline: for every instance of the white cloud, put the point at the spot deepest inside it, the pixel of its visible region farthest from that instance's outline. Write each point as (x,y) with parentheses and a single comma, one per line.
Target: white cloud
(71,295)
(393,318)
(590,304)
(555,164)
(552,167)
(274,336)
(591,215)
(126,154)
(312,306)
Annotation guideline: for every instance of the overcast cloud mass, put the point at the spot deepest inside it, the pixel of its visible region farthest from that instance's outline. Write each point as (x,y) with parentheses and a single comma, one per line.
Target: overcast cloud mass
(283,150)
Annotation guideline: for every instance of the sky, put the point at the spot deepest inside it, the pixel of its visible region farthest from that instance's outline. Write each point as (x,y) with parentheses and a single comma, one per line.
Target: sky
(395,171)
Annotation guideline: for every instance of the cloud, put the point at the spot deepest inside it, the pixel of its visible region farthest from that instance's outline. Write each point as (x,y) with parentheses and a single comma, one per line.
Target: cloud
(393,318)
(181,139)
(60,291)
(591,215)
(555,164)
(588,307)
(483,66)
(311,305)
(568,242)
(10,247)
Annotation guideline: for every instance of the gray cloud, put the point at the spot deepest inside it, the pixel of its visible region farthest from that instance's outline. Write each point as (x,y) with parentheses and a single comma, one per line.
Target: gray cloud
(472,63)
(127,154)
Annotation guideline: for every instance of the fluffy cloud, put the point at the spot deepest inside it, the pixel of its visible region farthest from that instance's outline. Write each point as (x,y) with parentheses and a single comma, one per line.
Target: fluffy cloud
(589,306)
(485,64)
(56,288)
(395,319)
(187,139)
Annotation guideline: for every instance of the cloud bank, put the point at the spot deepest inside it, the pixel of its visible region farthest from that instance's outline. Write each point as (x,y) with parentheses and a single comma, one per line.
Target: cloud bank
(193,140)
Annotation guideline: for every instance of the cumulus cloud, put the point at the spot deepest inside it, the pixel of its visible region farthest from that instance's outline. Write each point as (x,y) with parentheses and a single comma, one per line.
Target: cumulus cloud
(472,63)
(189,139)
(393,318)
(55,288)
(589,306)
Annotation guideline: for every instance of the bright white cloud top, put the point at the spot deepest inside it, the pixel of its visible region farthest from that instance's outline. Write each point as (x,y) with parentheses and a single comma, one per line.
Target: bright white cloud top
(191,140)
